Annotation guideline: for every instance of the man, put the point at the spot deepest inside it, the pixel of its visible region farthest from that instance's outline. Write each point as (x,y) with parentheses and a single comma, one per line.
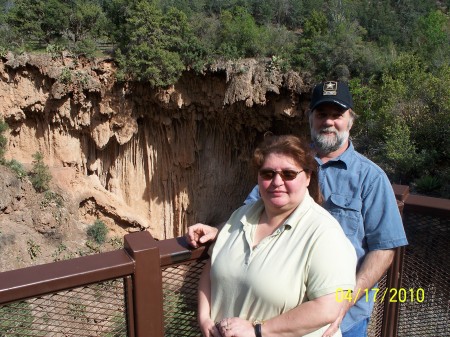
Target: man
(356,192)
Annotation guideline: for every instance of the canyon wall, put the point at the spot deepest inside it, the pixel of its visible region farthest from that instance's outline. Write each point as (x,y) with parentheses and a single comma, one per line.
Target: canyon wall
(141,158)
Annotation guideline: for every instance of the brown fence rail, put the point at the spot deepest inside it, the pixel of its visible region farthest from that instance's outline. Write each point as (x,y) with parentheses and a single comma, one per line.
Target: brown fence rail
(149,287)
(96,310)
(78,297)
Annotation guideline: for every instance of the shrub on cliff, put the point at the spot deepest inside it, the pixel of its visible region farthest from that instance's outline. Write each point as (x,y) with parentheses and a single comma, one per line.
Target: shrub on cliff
(3,128)
(40,173)
(17,168)
(98,231)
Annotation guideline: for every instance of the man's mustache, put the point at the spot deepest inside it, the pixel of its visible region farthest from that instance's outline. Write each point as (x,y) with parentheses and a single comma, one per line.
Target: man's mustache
(329,129)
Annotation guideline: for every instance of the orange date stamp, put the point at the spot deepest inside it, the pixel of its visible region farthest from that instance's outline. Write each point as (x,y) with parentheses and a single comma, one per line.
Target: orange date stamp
(392,295)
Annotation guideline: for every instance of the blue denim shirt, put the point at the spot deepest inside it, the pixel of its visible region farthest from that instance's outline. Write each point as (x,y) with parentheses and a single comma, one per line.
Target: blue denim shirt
(359,195)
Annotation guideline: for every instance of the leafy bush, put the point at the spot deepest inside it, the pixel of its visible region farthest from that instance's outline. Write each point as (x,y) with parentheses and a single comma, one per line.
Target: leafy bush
(399,155)
(40,174)
(18,168)
(55,50)
(404,119)
(86,47)
(65,76)
(52,198)
(98,231)
(427,184)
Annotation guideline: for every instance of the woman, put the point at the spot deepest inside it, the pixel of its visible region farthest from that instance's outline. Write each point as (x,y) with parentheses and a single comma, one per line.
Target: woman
(279,263)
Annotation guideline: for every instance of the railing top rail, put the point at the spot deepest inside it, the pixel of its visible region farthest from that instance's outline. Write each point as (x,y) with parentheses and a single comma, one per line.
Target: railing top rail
(48,278)
(421,203)
(177,250)
(424,204)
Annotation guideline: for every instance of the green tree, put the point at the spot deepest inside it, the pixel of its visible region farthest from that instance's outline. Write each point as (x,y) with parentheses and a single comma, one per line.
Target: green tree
(116,12)
(155,44)
(279,42)
(239,34)
(400,158)
(216,7)
(263,11)
(25,18)
(40,173)
(335,47)
(379,19)
(87,20)
(314,29)
(408,14)
(55,20)
(405,119)
(365,97)
(4,4)
(87,23)
(188,7)
(74,24)
(433,38)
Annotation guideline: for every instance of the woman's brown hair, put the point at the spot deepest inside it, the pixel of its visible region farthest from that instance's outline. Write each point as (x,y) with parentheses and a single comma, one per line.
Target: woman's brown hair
(299,150)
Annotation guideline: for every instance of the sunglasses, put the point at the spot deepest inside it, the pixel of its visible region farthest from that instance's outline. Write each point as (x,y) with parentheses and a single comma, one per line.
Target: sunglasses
(286,175)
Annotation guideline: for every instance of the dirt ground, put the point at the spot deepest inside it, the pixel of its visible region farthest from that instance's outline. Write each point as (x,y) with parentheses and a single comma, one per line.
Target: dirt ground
(37,228)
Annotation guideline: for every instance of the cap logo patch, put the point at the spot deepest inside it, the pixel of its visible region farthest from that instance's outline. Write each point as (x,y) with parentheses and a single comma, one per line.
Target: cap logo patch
(330,88)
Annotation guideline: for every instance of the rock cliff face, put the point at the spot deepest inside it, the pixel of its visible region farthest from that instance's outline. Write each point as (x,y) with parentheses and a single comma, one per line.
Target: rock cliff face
(143,158)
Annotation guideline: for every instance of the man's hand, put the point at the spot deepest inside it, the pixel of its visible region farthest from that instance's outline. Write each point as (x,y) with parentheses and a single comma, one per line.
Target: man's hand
(200,233)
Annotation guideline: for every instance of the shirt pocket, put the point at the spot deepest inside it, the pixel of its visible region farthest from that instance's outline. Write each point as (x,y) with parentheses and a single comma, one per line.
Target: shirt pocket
(347,211)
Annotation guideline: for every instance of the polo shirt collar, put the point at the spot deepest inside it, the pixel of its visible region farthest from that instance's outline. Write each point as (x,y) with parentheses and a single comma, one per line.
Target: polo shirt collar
(251,217)
(253,213)
(294,218)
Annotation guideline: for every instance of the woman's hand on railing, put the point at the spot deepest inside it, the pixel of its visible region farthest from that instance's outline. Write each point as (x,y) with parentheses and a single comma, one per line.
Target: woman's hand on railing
(200,233)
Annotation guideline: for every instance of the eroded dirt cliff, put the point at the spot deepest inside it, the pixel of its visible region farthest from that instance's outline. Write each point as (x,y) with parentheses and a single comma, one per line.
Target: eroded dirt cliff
(141,158)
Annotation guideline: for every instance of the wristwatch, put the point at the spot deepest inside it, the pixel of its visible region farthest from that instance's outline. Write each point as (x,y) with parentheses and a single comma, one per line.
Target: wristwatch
(258,328)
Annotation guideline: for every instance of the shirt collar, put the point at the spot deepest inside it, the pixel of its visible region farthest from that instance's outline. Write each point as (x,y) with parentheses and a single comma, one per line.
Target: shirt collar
(344,158)
(251,216)
(298,213)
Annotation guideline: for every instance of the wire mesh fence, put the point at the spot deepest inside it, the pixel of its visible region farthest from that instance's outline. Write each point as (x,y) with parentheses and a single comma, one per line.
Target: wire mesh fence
(376,320)
(180,285)
(425,308)
(101,309)
(96,310)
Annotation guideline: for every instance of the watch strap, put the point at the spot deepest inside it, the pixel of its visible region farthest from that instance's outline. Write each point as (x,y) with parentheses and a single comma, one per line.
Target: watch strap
(258,328)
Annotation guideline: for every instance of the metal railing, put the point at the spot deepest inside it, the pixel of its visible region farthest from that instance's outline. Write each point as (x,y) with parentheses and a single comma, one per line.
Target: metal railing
(423,296)
(149,287)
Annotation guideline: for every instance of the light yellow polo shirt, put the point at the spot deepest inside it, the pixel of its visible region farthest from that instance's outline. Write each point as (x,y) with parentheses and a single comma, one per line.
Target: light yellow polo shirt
(307,257)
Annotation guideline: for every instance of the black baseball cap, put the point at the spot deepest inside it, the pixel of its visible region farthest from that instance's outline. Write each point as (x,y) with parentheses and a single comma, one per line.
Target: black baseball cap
(336,92)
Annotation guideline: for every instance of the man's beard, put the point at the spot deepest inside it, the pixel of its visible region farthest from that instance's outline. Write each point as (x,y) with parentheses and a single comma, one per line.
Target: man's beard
(329,143)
